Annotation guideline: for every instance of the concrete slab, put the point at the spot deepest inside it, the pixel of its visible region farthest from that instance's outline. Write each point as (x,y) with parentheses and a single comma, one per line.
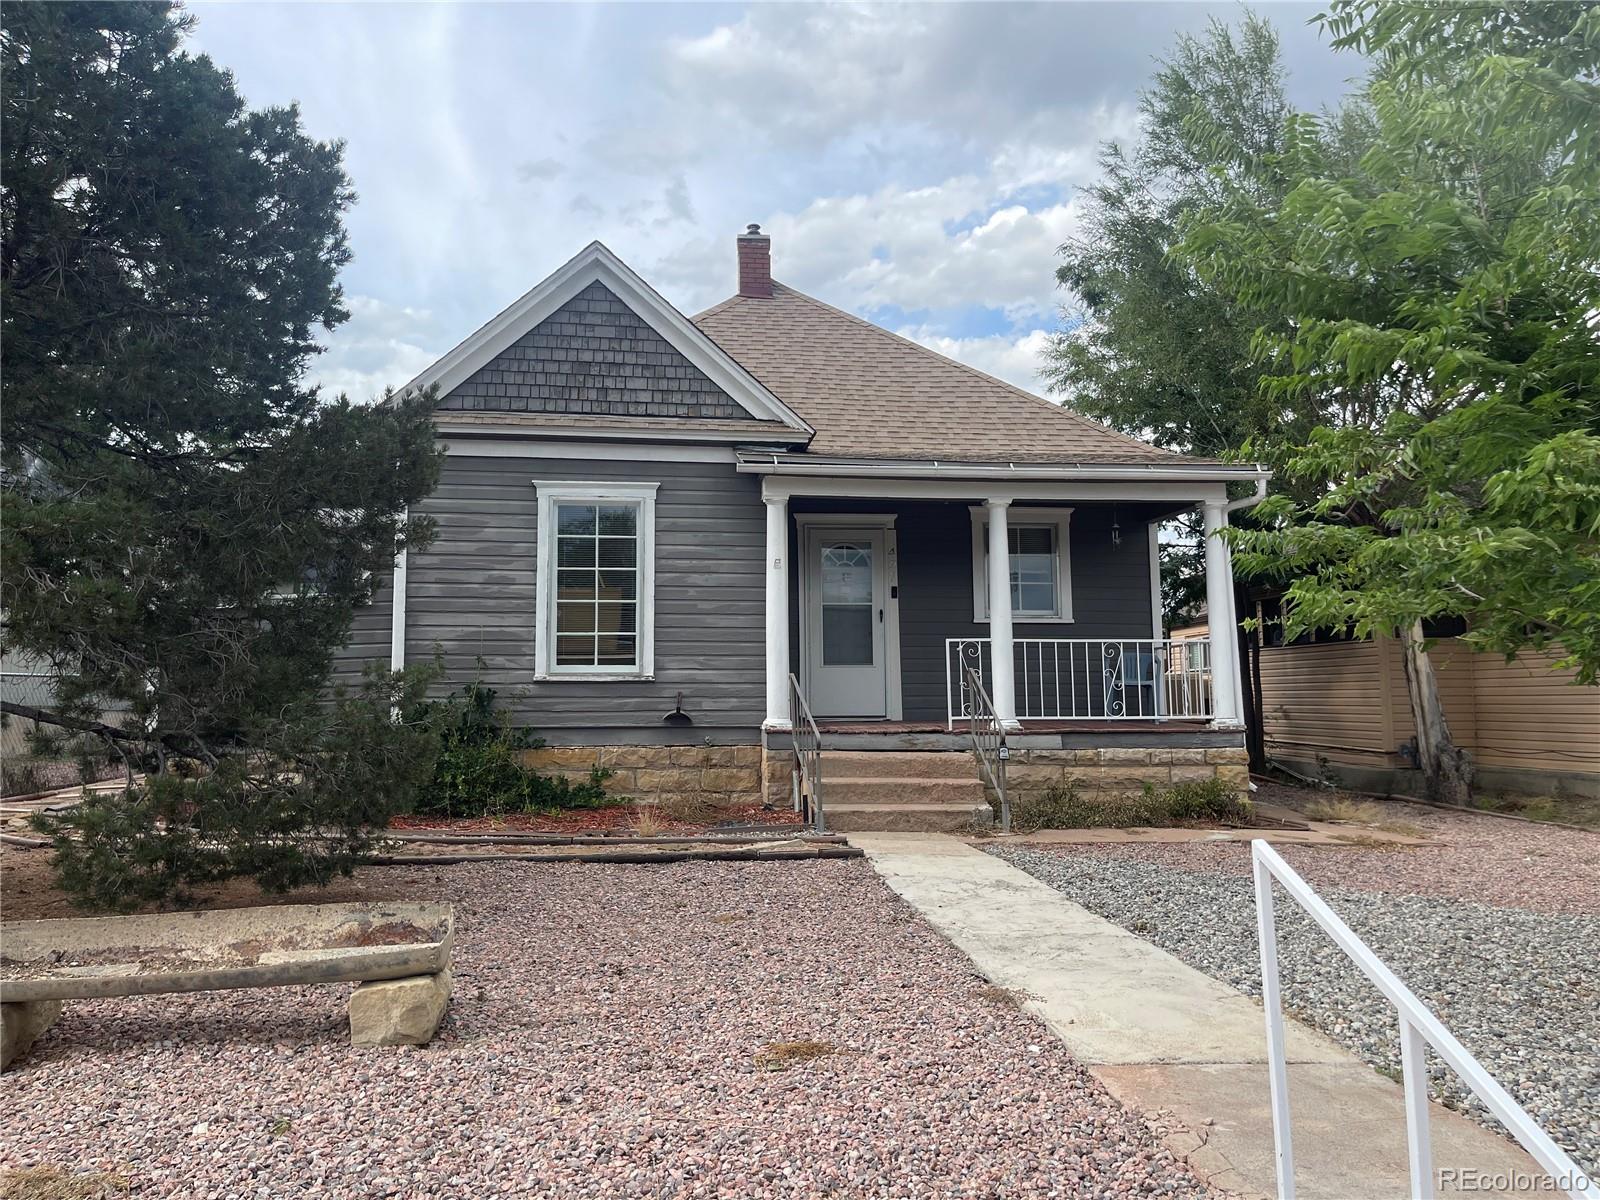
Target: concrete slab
(1110,996)
(1162,1035)
(1349,1131)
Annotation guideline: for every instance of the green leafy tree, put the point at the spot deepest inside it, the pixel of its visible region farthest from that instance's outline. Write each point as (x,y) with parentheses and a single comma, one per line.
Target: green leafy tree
(1441,295)
(188,525)
(1150,346)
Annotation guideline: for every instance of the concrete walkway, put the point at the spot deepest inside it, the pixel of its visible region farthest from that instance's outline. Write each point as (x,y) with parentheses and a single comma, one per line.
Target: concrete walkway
(1162,1035)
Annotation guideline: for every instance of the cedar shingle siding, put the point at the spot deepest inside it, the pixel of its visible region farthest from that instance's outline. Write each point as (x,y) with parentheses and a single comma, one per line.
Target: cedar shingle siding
(594,355)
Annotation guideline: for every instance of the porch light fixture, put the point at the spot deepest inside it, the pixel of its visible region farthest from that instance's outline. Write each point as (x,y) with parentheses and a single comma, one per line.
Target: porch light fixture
(1116,529)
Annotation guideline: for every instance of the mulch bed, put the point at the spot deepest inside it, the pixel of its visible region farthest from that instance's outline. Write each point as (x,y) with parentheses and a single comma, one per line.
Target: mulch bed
(617,819)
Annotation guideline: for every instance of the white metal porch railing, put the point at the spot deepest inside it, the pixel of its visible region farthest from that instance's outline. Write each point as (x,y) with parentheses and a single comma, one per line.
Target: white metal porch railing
(1063,679)
(1419,1029)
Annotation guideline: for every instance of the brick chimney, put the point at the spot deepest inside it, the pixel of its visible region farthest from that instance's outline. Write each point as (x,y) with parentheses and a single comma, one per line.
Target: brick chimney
(755,264)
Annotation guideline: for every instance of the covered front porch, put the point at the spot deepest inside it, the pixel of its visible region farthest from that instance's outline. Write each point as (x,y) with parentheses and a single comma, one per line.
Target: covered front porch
(898,608)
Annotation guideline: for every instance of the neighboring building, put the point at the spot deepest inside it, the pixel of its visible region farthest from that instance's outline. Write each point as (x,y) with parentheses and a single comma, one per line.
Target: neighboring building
(637,506)
(1337,707)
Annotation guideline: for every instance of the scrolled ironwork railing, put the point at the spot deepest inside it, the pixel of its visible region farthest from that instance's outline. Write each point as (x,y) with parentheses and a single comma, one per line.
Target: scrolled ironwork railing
(806,743)
(988,743)
(1064,679)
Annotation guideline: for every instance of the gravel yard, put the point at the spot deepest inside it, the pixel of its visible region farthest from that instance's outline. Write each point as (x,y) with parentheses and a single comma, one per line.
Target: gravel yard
(613,1034)
(1516,984)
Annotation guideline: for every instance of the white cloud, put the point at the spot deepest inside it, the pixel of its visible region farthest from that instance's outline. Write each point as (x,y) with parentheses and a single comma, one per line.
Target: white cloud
(914,161)
(380,346)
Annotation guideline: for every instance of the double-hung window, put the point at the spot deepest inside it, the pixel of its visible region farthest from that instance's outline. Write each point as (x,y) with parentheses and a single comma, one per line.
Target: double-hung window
(1041,572)
(596,580)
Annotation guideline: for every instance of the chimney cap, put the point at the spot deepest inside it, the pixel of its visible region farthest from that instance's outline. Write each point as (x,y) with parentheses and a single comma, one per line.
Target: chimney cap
(752,231)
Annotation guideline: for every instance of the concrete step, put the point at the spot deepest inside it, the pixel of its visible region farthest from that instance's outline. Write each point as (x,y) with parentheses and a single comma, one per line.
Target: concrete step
(899,764)
(888,789)
(934,817)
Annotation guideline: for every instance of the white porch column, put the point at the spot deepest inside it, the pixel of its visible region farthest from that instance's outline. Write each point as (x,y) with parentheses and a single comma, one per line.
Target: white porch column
(777,613)
(1001,671)
(1219,614)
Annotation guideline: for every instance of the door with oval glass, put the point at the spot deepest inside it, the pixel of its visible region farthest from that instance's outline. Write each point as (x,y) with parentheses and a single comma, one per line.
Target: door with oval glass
(845,656)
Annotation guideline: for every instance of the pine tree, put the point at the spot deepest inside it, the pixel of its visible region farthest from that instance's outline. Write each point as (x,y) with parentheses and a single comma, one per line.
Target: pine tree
(188,525)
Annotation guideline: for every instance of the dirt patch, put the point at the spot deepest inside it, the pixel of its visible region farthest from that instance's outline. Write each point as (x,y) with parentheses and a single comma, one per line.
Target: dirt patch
(52,1183)
(28,890)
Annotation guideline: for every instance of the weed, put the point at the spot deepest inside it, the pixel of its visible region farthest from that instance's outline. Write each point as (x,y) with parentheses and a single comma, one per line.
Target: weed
(281,1127)
(1342,808)
(689,810)
(1003,996)
(647,821)
(1061,807)
(780,1056)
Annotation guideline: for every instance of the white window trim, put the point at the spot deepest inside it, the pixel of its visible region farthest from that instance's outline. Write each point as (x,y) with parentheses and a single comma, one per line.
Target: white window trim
(1061,520)
(552,492)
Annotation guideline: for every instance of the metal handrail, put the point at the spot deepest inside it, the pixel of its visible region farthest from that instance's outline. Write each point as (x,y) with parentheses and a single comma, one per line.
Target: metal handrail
(806,743)
(1419,1029)
(988,742)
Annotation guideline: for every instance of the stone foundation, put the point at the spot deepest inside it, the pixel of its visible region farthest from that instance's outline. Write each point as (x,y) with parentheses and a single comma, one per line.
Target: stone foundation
(661,775)
(1114,773)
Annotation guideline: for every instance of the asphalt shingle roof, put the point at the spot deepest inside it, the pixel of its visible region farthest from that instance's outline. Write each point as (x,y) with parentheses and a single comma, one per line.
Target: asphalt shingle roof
(873,394)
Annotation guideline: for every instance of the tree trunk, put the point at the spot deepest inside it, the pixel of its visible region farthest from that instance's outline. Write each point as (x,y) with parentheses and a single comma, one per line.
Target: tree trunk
(1250,683)
(1446,768)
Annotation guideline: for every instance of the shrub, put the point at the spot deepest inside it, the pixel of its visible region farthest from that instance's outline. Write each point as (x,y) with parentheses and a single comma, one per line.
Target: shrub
(479,771)
(307,803)
(1202,800)
(1061,807)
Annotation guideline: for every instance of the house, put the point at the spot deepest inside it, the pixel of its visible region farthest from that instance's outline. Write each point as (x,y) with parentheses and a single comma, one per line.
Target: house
(1336,707)
(648,524)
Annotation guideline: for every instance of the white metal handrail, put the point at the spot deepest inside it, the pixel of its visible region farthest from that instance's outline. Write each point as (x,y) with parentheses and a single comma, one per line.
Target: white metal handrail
(806,743)
(1419,1029)
(1067,679)
(989,744)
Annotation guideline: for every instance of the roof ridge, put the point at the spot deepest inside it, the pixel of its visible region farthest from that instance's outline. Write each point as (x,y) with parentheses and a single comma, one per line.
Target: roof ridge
(716,308)
(1023,393)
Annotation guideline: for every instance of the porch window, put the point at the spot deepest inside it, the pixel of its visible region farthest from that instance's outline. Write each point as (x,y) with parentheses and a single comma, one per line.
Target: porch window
(596,574)
(1041,575)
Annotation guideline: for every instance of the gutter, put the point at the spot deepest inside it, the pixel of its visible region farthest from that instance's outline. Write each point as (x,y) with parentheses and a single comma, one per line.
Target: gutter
(777,464)
(1251,500)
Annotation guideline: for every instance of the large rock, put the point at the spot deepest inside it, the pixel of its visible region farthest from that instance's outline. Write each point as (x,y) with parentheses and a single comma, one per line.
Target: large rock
(24,1021)
(398,1012)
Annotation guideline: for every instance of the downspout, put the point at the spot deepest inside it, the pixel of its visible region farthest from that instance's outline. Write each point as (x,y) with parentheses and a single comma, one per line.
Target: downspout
(1249,652)
(397,608)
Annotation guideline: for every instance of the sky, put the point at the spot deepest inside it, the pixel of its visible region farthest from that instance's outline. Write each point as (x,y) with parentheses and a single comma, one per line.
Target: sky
(916,164)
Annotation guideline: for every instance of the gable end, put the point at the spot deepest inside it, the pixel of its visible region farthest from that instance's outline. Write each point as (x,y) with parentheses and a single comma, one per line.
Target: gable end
(594,356)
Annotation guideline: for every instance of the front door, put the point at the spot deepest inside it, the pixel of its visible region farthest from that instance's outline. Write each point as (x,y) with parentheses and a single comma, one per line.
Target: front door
(846,588)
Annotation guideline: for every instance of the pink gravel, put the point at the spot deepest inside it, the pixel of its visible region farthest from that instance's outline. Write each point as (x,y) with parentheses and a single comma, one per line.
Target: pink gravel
(1492,860)
(602,1042)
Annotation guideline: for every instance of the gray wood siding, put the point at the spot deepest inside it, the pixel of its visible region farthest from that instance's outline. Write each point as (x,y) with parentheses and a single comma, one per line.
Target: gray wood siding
(472,593)
(1110,586)
(369,637)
